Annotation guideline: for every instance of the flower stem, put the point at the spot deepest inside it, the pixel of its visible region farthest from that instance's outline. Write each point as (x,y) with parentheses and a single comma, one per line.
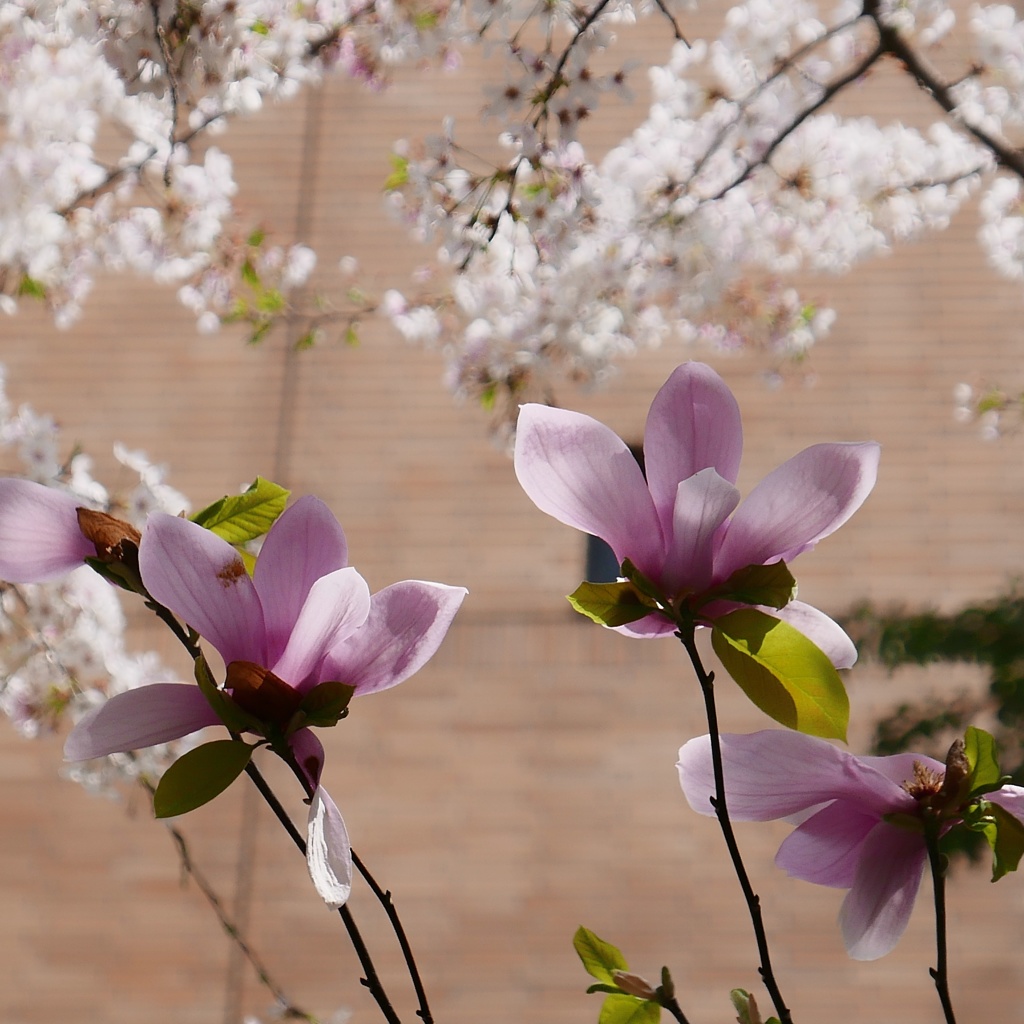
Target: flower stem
(938,863)
(707,686)
(384,896)
(371,979)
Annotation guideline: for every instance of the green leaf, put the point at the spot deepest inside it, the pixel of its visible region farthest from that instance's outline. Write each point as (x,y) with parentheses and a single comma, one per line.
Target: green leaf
(599,958)
(980,748)
(601,987)
(611,604)
(783,672)
(200,775)
(772,585)
(399,173)
(243,517)
(31,288)
(1005,835)
(256,237)
(326,704)
(259,332)
(352,336)
(623,1009)
(249,275)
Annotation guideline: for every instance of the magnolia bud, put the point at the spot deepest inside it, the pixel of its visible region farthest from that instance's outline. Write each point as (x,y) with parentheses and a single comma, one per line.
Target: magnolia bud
(634,985)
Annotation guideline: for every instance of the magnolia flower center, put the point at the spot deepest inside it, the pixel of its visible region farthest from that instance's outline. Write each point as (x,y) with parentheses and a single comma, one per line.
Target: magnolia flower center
(258,692)
(925,783)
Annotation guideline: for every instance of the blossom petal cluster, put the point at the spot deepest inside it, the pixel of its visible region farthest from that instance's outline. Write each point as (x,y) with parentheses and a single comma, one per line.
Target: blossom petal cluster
(302,619)
(683,526)
(65,649)
(845,807)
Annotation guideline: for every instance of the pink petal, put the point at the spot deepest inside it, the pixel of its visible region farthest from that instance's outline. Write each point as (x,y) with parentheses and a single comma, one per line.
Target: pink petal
(202,579)
(819,628)
(825,849)
(580,472)
(304,544)
(328,852)
(151,714)
(406,625)
(899,768)
(776,773)
(309,755)
(39,535)
(335,608)
(1010,798)
(650,627)
(877,908)
(694,424)
(702,503)
(798,504)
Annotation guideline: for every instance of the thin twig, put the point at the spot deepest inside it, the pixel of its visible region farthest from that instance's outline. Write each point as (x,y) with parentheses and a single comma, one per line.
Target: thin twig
(707,685)
(384,896)
(288,1009)
(892,42)
(828,94)
(371,979)
(172,84)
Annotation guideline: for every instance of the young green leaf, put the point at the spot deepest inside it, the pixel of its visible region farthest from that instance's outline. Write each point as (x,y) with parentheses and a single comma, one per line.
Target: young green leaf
(771,585)
(611,604)
(980,748)
(200,775)
(1005,835)
(783,672)
(745,1006)
(243,517)
(599,958)
(623,1009)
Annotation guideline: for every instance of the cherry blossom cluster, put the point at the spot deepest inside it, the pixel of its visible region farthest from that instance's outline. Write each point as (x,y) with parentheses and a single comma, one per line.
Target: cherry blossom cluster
(738,179)
(160,75)
(550,264)
(64,649)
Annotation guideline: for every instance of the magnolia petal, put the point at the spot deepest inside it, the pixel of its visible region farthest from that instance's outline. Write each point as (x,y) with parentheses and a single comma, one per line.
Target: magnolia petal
(202,579)
(336,607)
(650,627)
(776,773)
(821,630)
(305,543)
(406,625)
(797,504)
(151,714)
(826,847)
(580,472)
(39,535)
(877,908)
(702,503)
(1010,798)
(328,852)
(694,424)
(900,767)
(309,755)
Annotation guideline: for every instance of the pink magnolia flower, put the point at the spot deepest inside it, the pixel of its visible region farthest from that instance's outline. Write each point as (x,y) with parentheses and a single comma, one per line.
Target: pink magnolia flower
(681,526)
(302,619)
(841,803)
